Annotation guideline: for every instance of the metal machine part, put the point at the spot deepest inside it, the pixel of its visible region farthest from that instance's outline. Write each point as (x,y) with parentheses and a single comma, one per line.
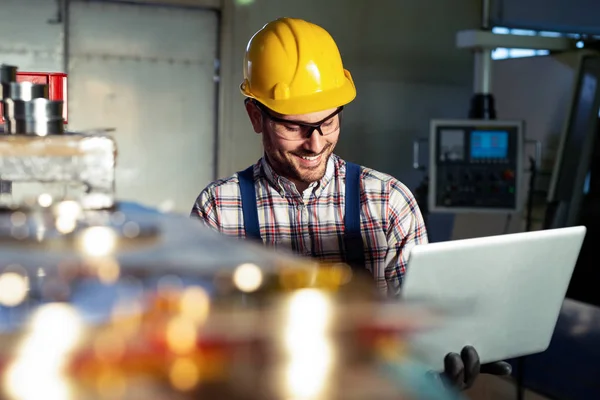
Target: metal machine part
(31,85)
(572,165)
(482,102)
(24,90)
(8,74)
(33,116)
(475,165)
(481,42)
(40,162)
(26,107)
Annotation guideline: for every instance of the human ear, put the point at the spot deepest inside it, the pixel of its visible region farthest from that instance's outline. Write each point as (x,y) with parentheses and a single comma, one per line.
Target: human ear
(255,116)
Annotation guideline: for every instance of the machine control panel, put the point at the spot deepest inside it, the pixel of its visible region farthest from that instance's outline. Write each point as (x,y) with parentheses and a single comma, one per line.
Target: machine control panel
(475,165)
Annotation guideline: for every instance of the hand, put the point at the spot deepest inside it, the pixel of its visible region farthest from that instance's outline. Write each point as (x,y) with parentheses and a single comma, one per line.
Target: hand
(461,371)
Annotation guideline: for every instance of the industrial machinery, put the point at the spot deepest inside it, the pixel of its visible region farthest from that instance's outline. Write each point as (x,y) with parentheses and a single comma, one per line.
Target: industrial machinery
(573,159)
(475,165)
(564,116)
(558,99)
(39,161)
(101,299)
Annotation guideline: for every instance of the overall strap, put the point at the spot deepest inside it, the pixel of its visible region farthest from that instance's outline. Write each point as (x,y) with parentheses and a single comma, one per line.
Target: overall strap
(249,207)
(355,255)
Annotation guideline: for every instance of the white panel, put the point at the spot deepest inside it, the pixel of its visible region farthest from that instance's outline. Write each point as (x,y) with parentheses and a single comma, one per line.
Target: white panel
(31,36)
(148,72)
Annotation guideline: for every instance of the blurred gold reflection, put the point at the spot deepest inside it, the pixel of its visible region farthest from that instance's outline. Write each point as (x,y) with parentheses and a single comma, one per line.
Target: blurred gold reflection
(38,369)
(98,241)
(67,213)
(184,374)
(109,346)
(13,288)
(195,304)
(310,354)
(111,383)
(181,335)
(247,277)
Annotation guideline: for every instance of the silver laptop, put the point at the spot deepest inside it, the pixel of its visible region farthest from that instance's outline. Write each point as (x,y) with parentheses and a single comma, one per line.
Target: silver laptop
(503,293)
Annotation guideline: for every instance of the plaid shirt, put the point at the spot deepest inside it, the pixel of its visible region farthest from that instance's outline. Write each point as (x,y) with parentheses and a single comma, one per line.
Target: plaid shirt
(312,223)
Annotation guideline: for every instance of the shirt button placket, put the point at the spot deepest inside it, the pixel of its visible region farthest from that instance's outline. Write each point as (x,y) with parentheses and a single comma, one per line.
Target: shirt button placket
(303,217)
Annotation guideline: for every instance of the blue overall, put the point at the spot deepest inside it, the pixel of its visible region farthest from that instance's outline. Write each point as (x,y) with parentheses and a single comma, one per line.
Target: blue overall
(354,249)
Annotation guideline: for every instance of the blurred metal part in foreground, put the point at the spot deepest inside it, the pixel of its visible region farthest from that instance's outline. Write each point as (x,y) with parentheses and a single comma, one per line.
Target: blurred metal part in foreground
(136,304)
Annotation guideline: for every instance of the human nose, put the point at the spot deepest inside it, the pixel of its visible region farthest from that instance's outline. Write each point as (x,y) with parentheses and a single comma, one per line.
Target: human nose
(315,142)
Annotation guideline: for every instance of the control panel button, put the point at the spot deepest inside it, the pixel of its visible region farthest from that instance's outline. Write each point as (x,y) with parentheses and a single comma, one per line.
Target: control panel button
(508,175)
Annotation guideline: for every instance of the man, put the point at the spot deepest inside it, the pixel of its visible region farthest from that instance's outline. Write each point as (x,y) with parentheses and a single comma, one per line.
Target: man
(302,196)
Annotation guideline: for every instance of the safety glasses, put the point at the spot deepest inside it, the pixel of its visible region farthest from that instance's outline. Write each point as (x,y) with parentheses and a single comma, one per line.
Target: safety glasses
(299,130)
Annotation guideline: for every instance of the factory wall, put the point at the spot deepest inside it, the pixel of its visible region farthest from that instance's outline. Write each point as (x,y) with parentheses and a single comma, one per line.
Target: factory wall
(144,71)
(404,62)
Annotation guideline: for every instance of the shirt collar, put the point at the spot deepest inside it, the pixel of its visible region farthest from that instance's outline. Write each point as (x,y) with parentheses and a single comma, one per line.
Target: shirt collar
(283,185)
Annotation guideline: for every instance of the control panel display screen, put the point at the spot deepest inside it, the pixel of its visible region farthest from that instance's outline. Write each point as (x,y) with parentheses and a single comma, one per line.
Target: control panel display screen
(452,145)
(489,144)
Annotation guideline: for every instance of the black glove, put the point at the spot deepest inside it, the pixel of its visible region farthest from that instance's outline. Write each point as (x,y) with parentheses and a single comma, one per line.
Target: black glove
(461,371)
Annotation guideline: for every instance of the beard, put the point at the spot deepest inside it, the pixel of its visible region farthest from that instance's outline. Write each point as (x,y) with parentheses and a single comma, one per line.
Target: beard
(287,164)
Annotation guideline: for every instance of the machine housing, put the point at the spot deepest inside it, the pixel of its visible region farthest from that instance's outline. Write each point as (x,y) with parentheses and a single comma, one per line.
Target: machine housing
(475,166)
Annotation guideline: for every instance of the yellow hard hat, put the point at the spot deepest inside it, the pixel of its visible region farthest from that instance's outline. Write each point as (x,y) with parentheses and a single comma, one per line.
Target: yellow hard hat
(294,67)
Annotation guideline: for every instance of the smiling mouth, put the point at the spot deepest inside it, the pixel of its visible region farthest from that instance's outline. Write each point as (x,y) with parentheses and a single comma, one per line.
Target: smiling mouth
(312,158)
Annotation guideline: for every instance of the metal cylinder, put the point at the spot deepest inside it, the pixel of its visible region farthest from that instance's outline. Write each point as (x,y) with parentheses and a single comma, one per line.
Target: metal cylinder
(486,10)
(39,117)
(35,127)
(33,109)
(25,91)
(8,73)
(483,71)
(22,91)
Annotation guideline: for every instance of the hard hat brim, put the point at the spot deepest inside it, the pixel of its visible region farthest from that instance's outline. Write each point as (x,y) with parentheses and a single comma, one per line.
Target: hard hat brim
(314,102)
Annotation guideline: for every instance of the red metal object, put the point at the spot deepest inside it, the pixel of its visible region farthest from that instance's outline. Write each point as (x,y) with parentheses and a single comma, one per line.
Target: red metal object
(57,87)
